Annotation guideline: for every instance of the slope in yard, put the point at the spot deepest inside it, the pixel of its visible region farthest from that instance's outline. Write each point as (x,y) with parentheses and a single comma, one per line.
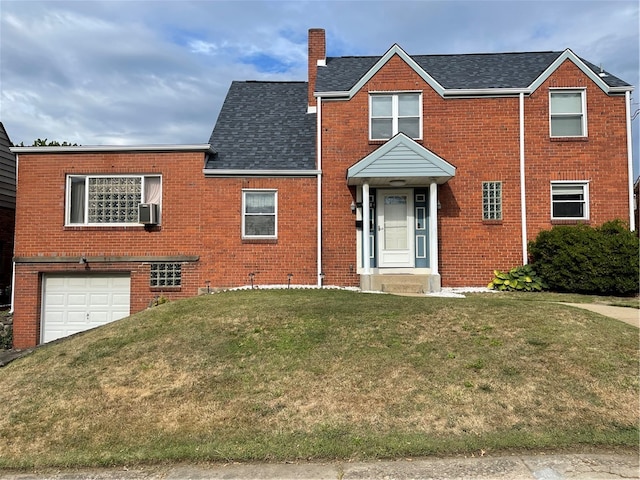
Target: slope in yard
(289,374)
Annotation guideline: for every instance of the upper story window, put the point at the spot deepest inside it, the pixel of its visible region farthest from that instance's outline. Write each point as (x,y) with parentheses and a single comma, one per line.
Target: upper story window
(394,113)
(569,200)
(259,214)
(568,116)
(109,200)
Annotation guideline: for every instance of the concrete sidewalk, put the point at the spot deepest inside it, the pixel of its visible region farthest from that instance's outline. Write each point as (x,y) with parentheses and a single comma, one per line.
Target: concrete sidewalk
(624,314)
(515,467)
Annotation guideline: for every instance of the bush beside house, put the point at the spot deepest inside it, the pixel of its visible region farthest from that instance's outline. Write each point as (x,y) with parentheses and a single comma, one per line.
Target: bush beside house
(591,260)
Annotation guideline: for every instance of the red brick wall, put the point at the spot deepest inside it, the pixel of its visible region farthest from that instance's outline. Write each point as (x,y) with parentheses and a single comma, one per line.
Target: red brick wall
(480,137)
(200,217)
(601,158)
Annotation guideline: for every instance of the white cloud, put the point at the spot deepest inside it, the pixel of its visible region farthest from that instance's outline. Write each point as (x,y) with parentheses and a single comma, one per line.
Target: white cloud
(157,71)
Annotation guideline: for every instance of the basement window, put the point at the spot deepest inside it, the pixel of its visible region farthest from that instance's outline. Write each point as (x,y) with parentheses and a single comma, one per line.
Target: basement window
(165,275)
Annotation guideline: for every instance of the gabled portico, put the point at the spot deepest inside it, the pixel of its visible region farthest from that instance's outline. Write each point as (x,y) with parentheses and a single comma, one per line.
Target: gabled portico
(399,234)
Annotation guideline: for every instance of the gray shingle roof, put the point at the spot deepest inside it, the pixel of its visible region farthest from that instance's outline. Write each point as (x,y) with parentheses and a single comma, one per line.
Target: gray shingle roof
(264,126)
(467,71)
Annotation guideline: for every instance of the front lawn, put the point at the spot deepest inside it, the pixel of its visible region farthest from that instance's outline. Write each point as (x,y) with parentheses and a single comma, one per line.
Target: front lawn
(277,375)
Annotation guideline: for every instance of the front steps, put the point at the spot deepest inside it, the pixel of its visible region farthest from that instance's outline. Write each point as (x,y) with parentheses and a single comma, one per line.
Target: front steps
(400,283)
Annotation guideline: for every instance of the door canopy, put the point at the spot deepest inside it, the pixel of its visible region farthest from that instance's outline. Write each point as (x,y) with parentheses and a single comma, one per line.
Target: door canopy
(400,161)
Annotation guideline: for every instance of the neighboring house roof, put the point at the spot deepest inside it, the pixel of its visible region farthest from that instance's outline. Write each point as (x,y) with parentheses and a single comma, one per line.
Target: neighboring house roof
(264,126)
(7,171)
(456,72)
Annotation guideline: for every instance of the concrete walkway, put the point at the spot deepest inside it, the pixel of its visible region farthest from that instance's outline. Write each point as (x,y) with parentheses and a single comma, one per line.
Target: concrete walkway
(624,314)
(515,467)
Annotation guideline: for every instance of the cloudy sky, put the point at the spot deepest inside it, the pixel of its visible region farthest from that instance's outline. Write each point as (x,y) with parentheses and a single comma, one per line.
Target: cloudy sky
(150,72)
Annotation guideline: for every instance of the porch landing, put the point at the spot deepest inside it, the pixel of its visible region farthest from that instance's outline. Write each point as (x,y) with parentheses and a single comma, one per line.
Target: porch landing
(400,283)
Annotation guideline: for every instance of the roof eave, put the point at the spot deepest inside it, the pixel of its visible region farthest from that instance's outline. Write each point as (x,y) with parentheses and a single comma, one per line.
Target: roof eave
(215,172)
(199,147)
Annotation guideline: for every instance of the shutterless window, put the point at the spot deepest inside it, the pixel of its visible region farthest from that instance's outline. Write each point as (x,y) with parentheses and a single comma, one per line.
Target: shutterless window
(492,200)
(567,109)
(98,200)
(394,113)
(570,201)
(165,275)
(259,212)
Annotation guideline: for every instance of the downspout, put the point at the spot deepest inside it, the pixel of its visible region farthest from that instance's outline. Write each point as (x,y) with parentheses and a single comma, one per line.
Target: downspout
(523,195)
(319,193)
(632,217)
(13,271)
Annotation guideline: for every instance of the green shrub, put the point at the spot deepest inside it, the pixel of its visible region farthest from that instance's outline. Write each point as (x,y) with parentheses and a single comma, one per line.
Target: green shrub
(521,279)
(583,259)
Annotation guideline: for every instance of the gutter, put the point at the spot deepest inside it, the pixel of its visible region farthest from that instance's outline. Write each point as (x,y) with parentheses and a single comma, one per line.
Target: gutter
(200,147)
(213,172)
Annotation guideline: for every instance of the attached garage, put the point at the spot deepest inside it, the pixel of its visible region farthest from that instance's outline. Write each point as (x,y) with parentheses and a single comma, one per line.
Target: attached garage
(75,303)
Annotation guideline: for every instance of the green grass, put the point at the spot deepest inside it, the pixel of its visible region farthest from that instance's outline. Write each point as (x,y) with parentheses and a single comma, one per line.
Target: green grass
(323,374)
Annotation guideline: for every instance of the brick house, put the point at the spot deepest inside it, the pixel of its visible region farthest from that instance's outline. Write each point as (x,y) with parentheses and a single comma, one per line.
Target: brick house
(385,173)
(7,213)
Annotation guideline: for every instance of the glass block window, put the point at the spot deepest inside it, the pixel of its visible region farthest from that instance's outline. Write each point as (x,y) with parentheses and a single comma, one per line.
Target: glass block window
(166,275)
(394,113)
(567,111)
(570,201)
(259,213)
(114,200)
(99,200)
(492,200)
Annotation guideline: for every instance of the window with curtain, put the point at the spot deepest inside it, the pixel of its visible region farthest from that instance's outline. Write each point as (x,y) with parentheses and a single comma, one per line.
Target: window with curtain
(259,214)
(100,200)
(567,112)
(394,113)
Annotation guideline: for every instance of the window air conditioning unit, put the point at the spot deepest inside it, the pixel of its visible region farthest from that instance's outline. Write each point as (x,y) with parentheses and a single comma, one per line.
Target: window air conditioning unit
(148,213)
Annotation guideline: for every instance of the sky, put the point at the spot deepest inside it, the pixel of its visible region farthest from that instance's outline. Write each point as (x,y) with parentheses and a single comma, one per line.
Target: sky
(156,72)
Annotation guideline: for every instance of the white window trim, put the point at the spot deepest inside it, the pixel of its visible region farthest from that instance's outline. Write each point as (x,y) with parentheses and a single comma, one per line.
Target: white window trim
(275,214)
(583,97)
(394,113)
(585,188)
(67,208)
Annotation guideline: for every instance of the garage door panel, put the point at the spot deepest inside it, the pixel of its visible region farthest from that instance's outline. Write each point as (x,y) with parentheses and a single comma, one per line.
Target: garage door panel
(75,303)
(99,299)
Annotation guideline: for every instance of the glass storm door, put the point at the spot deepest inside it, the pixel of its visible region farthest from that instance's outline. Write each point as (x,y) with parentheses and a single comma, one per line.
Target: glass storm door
(395,228)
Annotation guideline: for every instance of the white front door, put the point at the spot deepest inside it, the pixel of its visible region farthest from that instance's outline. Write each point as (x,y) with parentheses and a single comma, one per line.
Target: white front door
(395,228)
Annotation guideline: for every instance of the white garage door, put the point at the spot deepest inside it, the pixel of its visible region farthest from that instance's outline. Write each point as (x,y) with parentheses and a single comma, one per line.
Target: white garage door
(75,303)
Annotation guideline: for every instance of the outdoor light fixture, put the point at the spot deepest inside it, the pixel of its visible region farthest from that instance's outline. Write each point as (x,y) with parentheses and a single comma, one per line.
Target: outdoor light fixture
(398,183)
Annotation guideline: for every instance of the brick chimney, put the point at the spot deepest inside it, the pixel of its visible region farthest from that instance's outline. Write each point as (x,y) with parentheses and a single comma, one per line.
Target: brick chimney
(317,52)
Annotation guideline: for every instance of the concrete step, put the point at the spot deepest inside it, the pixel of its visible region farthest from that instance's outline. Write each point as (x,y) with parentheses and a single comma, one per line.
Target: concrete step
(402,288)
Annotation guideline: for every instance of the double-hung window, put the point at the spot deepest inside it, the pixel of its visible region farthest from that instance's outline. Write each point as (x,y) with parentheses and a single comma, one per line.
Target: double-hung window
(259,214)
(569,200)
(394,113)
(568,113)
(109,199)
(492,200)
